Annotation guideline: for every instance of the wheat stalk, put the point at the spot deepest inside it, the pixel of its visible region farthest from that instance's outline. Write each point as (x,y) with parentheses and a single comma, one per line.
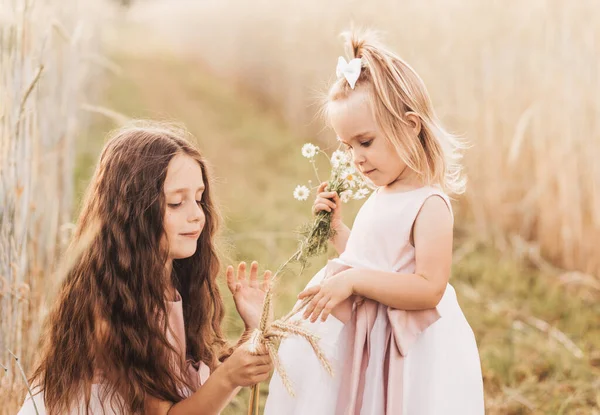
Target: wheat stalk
(269,335)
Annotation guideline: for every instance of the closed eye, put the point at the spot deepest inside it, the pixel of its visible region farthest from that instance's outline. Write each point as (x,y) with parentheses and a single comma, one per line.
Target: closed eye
(176,205)
(367,143)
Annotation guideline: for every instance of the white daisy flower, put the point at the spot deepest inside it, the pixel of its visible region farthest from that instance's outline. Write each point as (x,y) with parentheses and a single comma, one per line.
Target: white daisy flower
(309,150)
(338,157)
(301,193)
(350,176)
(360,193)
(350,179)
(346,195)
(360,182)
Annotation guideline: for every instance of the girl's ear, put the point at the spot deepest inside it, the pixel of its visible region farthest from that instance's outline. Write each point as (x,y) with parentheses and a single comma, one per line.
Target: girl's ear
(414,122)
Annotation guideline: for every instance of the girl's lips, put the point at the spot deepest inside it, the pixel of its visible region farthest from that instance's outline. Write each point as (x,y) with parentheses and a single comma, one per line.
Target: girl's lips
(191,235)
(369,172)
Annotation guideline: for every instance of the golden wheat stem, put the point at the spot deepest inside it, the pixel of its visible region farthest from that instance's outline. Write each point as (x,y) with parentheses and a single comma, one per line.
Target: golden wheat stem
(280,369)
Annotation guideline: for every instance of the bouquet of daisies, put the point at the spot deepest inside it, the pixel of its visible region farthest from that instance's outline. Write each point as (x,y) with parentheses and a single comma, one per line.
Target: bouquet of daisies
(345,180)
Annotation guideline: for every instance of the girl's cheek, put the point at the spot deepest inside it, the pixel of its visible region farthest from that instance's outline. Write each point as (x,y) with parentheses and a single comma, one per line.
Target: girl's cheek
(169,221)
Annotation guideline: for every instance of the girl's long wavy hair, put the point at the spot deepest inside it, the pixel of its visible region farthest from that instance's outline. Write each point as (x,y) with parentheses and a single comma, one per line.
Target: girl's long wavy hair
(110,315)
(394,88)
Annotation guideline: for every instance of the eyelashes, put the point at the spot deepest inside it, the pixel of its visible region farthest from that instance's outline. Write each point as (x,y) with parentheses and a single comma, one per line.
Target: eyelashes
(176,205)
(366,143)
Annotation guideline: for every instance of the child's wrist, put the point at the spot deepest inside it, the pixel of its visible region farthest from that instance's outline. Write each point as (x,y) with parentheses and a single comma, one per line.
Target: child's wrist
(227,376)
(352,278)
(337,226)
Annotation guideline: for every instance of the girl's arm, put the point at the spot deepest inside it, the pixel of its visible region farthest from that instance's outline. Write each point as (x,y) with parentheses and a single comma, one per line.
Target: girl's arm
(433,255)
(238,367)
(210,398)
(424,289)
(241,369)
(339,241)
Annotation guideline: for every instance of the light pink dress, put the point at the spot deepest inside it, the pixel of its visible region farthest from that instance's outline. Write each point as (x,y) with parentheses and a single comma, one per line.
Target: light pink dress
(177,338)
(434,351)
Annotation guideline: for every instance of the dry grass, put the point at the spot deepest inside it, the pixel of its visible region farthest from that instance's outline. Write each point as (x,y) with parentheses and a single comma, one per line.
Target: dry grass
(48,53)
(518,79)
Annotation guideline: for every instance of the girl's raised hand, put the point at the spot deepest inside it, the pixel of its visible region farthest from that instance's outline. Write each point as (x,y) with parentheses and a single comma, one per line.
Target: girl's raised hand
(248,294)
(329,202)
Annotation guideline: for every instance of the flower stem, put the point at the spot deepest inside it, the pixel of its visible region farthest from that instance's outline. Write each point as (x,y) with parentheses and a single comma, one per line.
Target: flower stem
(316,171)
(295,256)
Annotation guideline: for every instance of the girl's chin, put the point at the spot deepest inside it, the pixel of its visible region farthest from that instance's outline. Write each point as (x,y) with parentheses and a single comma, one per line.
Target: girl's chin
(183,253)
(377,183)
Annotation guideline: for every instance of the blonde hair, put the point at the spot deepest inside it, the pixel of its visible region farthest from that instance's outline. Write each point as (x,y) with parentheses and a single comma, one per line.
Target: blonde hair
(394,89)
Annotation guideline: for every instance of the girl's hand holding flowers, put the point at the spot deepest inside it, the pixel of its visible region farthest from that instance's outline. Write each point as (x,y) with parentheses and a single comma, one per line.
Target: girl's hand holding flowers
(329,201)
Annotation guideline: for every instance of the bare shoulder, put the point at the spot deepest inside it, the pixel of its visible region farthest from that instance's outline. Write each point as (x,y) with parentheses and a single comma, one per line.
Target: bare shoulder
(435,207)
(434,219)
(433,237)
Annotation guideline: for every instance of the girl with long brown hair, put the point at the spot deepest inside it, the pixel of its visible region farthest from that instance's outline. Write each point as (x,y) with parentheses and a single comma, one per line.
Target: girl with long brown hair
(137,323)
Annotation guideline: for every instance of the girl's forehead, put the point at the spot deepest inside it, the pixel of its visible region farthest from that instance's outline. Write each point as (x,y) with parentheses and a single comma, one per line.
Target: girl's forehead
(351,116)
(183,172)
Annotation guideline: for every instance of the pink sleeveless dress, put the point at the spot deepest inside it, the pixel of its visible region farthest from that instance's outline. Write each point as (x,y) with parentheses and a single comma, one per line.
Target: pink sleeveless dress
(177,338)
(385,361)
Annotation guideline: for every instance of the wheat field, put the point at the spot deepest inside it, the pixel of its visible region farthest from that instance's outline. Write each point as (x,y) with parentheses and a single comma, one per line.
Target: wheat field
(49,56)
(519,80)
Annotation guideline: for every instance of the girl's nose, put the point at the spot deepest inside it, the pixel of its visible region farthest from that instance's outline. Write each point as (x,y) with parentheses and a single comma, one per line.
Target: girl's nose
(196,214)
(359,159)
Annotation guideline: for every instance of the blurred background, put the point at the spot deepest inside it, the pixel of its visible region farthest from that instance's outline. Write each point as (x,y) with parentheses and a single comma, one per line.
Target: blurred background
(519,80)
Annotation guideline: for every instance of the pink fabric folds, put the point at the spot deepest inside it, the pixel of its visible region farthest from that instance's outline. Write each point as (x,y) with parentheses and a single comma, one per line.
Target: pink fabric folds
(402,331)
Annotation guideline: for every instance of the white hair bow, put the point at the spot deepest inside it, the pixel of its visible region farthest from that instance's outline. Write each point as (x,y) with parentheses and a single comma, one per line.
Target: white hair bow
(349,70)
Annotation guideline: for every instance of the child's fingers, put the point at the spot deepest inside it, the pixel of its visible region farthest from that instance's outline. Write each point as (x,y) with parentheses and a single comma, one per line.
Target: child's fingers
(230,279)
(326,311)
(254,274)
(318,309)
(328,202)
(262,369)
(318,207)
(241,272)
(266,284)
(262,372)
(327,195)
(309,291)
(323,204)
(312,305)
(261,359)
(322,187)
